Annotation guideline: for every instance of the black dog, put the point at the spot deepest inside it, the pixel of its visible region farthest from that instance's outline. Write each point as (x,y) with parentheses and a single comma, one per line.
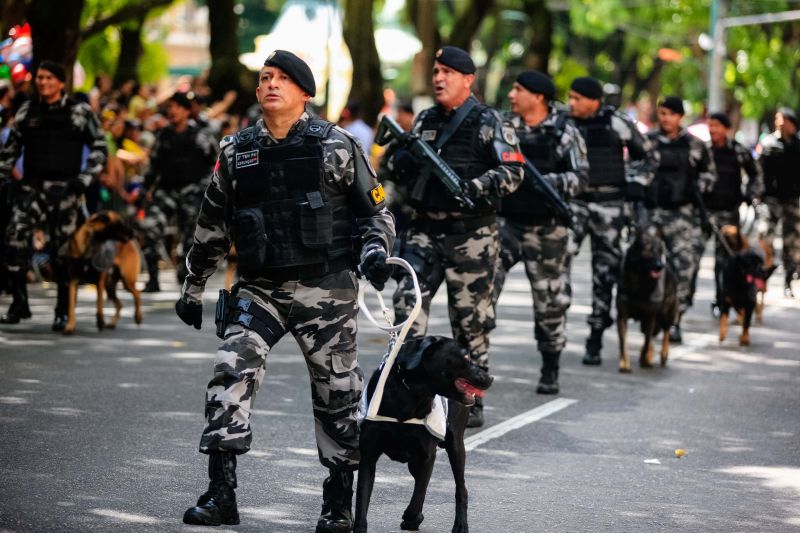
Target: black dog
(647,293)
(424,367)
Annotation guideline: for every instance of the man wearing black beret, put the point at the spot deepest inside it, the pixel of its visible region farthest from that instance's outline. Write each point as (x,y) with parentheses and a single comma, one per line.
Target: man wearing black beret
(530,230)
(602,209)
(448,242)
(53,129)
(781,160)
(732,160)
(288,192)
(686,170)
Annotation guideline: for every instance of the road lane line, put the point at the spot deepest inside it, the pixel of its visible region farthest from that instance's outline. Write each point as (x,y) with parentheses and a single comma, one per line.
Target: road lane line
(517,422)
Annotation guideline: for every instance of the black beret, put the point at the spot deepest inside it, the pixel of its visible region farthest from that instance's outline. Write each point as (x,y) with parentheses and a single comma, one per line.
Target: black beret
(588,87)
(295,68)
(536,82)
(182,99)
(788,114)
(722,118)
(673,103)
(56,69)
(455,58)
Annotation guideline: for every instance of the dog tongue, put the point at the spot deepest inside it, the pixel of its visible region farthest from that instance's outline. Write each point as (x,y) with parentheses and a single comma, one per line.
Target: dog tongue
(468,388)
(655,274)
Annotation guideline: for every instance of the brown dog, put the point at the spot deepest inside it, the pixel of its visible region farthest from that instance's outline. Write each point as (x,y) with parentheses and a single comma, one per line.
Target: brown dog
(769,264)
(102,251)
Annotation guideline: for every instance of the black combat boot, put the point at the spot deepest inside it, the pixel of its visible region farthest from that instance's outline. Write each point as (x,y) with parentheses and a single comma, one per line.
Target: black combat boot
(337,499)
(19,309)
(152,271)
(675,336)
(548,383)
(594,343)
(475,419)
(217,505)
(62,307)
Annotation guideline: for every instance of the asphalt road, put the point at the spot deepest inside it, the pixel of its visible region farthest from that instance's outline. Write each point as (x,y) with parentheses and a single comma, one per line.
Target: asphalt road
(100,430)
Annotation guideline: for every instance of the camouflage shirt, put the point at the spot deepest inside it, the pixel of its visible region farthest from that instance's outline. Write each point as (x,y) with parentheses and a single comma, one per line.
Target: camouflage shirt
(700,157)
(571,150)
(83,121)
(212,239)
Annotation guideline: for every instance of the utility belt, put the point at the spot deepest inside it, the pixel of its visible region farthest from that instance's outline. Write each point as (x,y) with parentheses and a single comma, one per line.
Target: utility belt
(300,272)
(602,194)
(243,311)
(534,220)
(452,226)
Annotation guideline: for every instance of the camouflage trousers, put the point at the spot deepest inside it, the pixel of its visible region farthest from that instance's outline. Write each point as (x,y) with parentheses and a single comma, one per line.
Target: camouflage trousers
(321,316)
(717,219)
(543,250)
(466,262)
(603,222)
(182,206)
(788,213)
(50,208)
(681,229)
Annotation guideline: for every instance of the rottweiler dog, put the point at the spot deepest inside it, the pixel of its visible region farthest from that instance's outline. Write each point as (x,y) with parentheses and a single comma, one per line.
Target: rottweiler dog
(424,368)
(743,277)
(103,251)
(647,292)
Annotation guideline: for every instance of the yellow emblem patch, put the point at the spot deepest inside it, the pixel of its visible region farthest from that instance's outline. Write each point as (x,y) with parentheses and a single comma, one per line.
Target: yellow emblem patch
(378,194)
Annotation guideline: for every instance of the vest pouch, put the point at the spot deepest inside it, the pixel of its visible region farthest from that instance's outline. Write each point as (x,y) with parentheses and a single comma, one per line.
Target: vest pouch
(250,239)
(316,225)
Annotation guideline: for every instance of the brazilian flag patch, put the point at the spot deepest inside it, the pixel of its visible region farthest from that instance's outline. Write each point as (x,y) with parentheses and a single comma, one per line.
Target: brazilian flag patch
(377,194)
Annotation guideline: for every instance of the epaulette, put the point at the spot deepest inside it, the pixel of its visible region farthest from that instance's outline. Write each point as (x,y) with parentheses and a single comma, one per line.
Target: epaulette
(245,136)
(226,141)
(319,128)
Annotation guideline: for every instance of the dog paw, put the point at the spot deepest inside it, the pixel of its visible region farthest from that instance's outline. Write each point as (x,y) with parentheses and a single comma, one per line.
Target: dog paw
(460,527)
(625,370)
(411,523)
(68,331)
(644,363)
(112,325)
(360,529)
(744,341)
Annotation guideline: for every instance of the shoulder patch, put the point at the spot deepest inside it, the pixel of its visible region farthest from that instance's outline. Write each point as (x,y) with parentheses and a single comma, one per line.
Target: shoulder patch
(377,195)
(225,142)
(509,135)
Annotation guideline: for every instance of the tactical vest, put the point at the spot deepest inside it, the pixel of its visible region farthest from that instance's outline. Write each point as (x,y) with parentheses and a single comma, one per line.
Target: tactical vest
(53,144)
(181,161)
(675,176)
(540,147)
(465,155)
(727,192)
(781,171)
(285,216)
(605,150)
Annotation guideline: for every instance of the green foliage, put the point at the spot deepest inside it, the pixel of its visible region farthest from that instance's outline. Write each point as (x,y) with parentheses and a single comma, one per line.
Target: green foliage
(154,63)
(98,54)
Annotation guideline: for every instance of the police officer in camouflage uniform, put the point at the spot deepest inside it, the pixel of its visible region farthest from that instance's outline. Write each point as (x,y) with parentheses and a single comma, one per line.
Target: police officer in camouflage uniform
(732,160)
(529,229)
(446,242)
(781,161)
(53,129)
(180,164)
(287,191)
(621,165)
(686,169)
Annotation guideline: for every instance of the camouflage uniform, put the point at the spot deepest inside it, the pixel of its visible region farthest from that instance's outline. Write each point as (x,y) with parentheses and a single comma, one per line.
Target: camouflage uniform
(680,218)
(176,192)
(44,198)
(455,246)
(541,243)
(320,313)
(602,211)
(781,160)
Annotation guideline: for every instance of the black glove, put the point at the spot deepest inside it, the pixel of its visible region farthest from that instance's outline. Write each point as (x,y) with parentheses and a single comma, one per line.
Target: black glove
(76,187)
(634,192)
(405,164)
(405,138)
(470,190)
(190,313)
(375,269)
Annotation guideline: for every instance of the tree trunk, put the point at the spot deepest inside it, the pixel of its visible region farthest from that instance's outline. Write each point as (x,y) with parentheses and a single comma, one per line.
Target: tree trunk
(423,15)
(359,34)
(130,51)
(468,24)
(13,14)
(226,72)
(55,30)
(540,26)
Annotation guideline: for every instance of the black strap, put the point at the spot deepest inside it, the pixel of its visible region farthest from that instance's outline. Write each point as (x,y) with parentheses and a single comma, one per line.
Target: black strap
(250,315)
(451,127)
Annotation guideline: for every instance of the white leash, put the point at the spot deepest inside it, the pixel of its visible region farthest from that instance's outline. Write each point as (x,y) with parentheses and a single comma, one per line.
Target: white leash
(396,332)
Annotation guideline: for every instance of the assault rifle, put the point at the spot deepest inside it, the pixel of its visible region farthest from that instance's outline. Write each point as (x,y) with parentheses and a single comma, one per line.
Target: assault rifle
(562,209)
(388,129)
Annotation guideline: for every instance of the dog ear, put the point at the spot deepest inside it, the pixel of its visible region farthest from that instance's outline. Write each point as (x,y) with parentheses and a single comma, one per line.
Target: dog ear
(410,355)
(770,271)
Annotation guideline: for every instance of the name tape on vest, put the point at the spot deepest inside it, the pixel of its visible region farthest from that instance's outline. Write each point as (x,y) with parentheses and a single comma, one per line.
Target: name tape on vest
(428,135)
(247,159)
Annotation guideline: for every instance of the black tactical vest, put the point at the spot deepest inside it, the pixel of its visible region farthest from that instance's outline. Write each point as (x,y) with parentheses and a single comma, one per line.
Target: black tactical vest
(605,150)
(727,192)
(675,176)
(53,144)
(285,215)
(781,172)
(540,147)
(465,155)
(181,161)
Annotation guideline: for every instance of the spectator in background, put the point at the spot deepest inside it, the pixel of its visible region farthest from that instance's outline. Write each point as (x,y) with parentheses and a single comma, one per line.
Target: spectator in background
(351,121)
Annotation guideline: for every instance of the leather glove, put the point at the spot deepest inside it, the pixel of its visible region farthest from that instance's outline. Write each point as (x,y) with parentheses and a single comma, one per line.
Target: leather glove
(634,192)
(76,187)
(375,269)
(405,138)
(190,313)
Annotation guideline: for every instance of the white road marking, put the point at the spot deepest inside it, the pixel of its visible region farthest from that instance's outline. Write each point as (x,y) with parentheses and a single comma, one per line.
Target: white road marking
(517,422)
